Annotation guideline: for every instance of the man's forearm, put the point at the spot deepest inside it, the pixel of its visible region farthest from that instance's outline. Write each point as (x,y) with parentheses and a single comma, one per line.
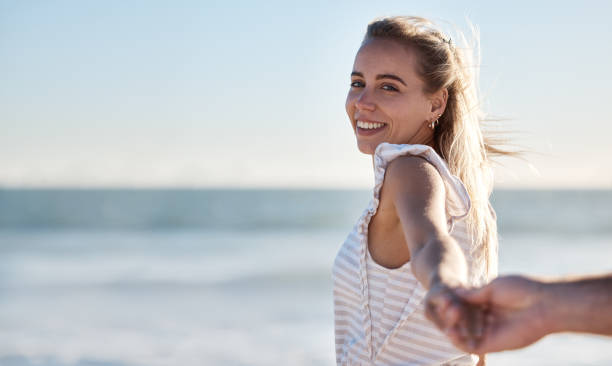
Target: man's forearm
(579,305)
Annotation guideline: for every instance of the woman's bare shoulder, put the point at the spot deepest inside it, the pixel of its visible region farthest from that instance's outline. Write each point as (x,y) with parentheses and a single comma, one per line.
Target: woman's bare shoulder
(412,175)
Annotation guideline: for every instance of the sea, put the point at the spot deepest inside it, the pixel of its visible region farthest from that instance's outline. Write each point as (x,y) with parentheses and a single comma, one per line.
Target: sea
(186,277)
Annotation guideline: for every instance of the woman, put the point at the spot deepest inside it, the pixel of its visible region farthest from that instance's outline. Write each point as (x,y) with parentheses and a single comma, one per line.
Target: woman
(429,229)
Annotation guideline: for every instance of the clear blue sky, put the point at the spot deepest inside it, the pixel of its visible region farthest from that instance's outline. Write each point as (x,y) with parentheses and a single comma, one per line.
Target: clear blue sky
(241,94)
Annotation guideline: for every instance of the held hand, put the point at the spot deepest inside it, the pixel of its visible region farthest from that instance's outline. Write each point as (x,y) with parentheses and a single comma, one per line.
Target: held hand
(452,314)
(512,308)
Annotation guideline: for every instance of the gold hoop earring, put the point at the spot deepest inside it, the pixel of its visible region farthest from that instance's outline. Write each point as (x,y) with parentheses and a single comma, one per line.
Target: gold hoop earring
(433,124)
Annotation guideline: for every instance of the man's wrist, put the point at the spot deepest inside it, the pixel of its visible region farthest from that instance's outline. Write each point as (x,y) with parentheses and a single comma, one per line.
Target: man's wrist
(553,307)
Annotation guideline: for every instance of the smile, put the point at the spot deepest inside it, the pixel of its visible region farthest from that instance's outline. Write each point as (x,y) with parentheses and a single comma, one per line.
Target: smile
(369,125)
(369,128)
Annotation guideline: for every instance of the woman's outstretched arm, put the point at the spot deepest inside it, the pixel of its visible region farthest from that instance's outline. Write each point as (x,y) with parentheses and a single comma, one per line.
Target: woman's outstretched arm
(437,260)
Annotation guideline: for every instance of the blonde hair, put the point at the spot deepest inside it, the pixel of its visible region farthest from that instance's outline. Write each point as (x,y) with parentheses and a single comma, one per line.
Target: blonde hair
(458,137)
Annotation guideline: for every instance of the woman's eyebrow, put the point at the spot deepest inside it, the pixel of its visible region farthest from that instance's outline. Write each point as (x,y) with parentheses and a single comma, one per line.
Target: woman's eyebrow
(390,76)
(381,76)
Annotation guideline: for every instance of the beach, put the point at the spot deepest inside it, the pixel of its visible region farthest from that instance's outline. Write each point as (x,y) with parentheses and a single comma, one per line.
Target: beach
(236,277)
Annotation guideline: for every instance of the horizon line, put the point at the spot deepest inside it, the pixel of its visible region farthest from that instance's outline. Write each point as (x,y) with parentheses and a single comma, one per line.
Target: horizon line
(271,188)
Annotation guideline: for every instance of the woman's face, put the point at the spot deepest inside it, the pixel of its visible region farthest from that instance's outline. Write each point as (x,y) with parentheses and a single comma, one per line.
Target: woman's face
(386,101)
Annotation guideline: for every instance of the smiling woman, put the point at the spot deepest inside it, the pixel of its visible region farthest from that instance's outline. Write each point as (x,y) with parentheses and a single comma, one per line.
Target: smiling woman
(429,228)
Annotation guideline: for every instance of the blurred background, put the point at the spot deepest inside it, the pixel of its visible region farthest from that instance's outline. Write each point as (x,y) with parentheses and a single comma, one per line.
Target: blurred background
(177,177)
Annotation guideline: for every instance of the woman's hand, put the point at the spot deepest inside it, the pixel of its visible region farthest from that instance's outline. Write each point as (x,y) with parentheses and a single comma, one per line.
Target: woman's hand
(453,315)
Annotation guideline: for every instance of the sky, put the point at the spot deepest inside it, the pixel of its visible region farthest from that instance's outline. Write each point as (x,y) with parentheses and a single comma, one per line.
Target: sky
(241,94)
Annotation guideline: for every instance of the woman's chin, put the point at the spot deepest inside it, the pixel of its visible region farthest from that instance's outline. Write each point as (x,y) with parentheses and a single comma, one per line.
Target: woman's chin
(367,148)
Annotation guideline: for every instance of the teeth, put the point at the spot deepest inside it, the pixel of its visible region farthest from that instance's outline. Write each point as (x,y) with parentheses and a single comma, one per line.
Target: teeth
(369,125)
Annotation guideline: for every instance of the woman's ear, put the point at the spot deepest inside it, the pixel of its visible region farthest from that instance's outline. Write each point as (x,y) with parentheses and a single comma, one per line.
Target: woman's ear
(438,102)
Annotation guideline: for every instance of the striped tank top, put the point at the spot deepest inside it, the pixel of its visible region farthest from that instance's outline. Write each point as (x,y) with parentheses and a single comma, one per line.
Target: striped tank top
(379,312)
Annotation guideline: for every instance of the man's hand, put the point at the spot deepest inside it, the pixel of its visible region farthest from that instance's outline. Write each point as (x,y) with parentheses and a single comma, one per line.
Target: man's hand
(513,313)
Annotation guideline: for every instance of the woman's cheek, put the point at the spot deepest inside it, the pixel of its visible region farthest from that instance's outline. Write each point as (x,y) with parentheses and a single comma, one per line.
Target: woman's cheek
(350,103)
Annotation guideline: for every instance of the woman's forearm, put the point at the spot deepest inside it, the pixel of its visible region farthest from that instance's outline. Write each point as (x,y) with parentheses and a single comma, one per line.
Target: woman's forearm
(440,261)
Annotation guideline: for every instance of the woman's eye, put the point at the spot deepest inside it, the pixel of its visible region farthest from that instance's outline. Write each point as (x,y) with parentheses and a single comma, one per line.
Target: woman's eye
(389,87)
(356,84)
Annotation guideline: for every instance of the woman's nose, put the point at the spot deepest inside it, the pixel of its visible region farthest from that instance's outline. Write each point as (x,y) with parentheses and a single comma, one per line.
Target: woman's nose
(365,102)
